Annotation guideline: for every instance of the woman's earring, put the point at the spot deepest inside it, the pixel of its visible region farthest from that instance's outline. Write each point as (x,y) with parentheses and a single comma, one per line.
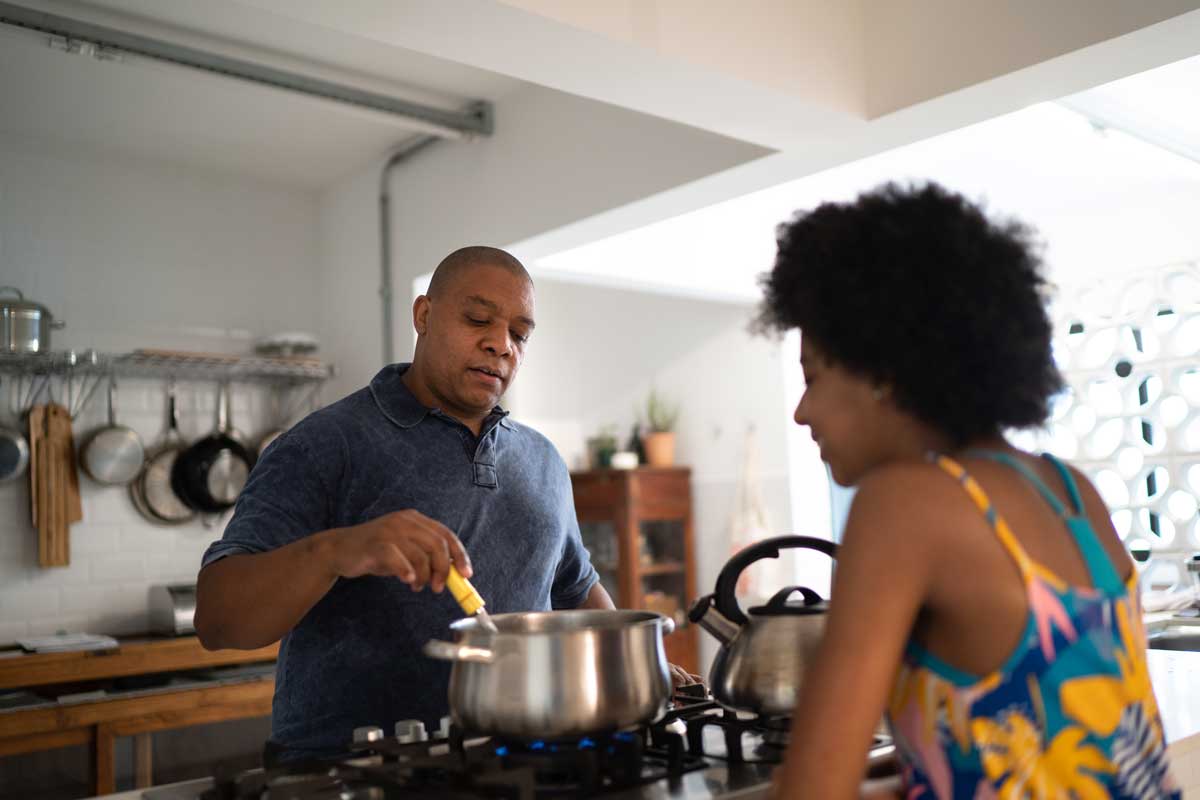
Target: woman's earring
(879,392)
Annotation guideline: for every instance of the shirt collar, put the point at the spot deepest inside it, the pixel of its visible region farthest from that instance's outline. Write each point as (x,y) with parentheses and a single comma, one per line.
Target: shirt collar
(397,403)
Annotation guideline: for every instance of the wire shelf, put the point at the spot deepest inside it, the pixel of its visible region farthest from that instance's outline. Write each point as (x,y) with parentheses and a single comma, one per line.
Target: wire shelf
(181,366)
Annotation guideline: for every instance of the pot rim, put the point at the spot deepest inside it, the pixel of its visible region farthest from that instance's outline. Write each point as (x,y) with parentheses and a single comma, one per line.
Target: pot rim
(562,622)
(21,303)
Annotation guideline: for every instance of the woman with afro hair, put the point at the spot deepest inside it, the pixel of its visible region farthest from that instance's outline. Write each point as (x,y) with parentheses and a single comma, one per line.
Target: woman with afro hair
(982,602)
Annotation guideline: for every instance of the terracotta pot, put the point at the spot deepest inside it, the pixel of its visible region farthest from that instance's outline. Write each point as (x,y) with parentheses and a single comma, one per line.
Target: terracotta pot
(660,448)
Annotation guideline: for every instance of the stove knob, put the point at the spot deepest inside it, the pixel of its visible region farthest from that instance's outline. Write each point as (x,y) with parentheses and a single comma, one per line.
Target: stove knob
(411,730)
(368,734)
(443,731)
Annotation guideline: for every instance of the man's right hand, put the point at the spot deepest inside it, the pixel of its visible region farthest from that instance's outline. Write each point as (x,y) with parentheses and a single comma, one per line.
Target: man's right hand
(405,544)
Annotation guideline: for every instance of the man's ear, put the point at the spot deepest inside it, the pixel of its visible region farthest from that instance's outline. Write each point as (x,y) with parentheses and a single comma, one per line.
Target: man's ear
(421,314)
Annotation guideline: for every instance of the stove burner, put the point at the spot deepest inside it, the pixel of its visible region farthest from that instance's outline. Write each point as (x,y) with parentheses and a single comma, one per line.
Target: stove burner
(453,763)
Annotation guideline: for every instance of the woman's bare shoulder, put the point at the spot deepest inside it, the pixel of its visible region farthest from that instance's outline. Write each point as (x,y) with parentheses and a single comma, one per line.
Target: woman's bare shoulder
(917,498)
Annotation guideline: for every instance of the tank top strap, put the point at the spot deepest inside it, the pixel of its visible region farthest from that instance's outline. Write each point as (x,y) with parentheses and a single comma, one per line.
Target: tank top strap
(1099,565)
(1004,534)
(1031,476)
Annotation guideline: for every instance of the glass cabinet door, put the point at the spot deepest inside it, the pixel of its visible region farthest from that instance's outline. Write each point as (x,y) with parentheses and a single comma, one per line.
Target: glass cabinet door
(600,539)
(662,562)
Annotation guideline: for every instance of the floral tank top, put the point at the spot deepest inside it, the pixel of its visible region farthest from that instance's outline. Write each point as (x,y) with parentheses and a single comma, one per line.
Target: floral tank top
(1070,713)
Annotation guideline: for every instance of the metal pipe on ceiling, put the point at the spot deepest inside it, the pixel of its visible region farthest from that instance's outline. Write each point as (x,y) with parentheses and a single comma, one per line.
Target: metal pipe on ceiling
(398,156)
(433,123)
(104,42)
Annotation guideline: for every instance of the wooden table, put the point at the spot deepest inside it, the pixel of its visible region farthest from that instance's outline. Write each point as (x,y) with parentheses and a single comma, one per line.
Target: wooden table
(98,723)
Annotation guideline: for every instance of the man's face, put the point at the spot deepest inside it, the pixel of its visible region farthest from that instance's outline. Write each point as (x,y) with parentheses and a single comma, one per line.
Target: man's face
(473,336)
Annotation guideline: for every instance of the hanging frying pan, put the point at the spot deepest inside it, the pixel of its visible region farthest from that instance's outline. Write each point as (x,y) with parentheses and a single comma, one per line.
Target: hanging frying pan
(113,455)
(285,421)
(209,475)
(14,449)
(152,491)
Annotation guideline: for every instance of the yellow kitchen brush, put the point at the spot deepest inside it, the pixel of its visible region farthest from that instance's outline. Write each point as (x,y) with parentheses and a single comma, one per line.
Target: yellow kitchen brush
(470,600)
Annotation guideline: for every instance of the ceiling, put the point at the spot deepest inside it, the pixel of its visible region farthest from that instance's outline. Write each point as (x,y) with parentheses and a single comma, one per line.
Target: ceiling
(153,110)
(1103,201)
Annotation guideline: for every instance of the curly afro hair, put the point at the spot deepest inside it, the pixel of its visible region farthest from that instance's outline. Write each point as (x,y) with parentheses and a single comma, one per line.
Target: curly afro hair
(913,287)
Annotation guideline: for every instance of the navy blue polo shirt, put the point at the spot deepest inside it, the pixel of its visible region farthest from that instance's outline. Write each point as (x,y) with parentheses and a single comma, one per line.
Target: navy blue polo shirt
(355,659)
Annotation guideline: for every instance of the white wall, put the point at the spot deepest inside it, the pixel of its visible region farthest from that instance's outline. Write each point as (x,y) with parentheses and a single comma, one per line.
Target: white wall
(139,254)
(596,353)
(554,159)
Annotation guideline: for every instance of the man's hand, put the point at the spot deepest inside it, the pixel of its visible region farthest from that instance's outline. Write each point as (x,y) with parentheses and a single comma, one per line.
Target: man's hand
(407,544)
(681,677)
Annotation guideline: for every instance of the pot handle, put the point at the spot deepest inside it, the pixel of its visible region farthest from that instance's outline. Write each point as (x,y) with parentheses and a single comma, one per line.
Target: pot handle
(724,598)
(668,625)
(13,290)
(453,651)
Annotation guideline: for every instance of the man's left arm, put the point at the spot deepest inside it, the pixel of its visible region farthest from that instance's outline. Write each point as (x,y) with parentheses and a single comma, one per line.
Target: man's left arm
(598,597)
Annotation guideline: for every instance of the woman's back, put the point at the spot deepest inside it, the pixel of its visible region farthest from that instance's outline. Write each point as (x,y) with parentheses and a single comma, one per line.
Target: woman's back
(1025,674)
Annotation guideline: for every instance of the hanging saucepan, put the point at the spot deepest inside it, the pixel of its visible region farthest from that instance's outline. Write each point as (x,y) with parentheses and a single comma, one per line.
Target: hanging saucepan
(285,417)
(151,492)
(14,449)
(209,475)
(553,674)
(112,454)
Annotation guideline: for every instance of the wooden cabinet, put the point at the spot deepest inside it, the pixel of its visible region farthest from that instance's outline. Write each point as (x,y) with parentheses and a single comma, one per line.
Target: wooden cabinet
(637,525)
(98,722)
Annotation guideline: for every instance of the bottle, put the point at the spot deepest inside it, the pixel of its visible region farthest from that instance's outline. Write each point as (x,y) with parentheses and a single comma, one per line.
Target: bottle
(635,443)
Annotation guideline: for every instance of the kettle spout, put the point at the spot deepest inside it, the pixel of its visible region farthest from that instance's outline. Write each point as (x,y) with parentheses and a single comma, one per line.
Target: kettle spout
(704,613)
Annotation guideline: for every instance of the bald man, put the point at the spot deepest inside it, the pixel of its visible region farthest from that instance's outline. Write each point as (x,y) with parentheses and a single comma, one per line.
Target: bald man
(398,480)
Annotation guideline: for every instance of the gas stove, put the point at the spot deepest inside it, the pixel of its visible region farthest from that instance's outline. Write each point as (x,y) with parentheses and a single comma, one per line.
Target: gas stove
(696,750)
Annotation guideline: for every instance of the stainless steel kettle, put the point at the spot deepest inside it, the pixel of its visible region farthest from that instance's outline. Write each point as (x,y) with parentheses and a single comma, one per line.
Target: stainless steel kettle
(762,658)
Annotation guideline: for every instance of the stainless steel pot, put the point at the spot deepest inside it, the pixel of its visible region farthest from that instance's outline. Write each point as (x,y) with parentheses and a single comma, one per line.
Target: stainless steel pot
(24,325)
(554,674)
(762,659)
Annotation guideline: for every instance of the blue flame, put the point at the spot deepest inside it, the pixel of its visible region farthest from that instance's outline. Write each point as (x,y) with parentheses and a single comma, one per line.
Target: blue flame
(586,744)
(539,745)
(501,751)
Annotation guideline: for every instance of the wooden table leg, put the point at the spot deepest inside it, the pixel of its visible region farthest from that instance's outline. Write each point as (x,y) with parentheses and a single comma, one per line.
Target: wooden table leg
(104,777)
(143,760)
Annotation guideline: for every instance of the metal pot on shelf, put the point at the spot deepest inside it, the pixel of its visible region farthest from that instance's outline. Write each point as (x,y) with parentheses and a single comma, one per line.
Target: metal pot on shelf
(556,674)
(24,325)
(763,656)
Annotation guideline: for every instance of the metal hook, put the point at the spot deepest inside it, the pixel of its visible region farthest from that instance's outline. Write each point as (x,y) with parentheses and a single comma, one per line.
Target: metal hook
(86,389)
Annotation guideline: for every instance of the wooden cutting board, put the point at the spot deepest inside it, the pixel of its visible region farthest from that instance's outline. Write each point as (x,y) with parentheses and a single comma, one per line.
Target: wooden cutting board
(60,430)
(52,486)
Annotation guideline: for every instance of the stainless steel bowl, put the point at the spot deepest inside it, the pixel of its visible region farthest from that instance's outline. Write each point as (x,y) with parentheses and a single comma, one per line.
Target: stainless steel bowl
(557,674)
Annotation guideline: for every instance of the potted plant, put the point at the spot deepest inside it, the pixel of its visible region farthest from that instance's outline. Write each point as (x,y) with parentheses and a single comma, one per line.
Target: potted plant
(659,439)
(602,446)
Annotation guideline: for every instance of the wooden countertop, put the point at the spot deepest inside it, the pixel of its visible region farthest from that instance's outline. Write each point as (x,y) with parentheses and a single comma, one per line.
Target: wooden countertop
(134,656)
(98,721)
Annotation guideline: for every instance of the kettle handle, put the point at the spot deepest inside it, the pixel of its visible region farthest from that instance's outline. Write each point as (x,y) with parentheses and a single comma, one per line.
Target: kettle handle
(780,598)
(724,598)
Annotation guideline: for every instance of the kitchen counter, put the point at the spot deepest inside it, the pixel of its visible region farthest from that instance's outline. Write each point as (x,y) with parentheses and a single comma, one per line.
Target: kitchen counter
(1175,676)
(716,782)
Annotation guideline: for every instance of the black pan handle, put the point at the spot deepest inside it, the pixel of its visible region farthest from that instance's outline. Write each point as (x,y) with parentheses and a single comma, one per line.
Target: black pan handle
(724,597)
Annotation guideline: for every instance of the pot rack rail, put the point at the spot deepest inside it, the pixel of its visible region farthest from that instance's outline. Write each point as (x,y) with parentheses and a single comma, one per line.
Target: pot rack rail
(80,373)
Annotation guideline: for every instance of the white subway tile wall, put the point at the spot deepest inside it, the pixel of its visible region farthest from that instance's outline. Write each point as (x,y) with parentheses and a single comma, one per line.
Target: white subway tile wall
(116,555)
